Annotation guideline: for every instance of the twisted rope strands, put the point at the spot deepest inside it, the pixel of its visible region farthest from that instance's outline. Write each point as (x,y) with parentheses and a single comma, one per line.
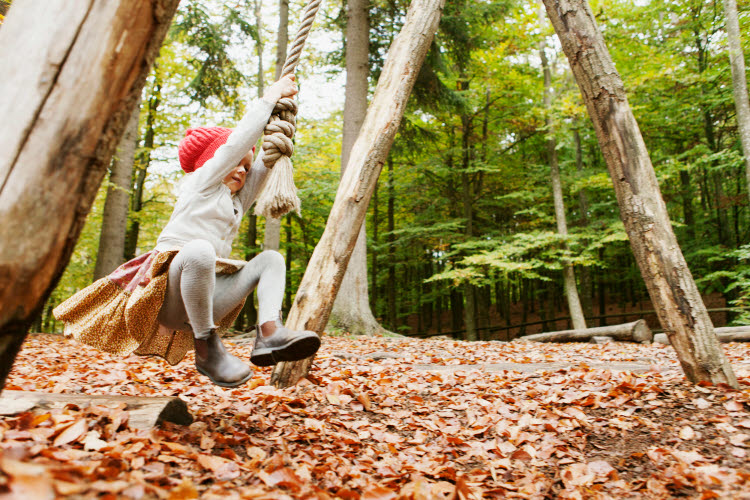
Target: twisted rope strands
(280,194)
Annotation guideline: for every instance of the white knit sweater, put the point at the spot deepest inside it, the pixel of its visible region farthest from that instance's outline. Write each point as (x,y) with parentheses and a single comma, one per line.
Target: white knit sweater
(206,208)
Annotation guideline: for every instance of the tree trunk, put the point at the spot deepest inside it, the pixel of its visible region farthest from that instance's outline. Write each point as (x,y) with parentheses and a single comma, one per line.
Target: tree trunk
(673,292)
(391,287)
(637,331)
(569,277)
(78,69)
(374,254)
(115,216)
(351,309)
(144,412)
(143,160)
(739,82)
(587,285)
(317,292)
(272,234)
(724,334)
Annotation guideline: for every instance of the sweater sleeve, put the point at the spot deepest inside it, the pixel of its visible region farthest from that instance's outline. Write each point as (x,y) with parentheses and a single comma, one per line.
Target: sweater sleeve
(240,141)
(254,182)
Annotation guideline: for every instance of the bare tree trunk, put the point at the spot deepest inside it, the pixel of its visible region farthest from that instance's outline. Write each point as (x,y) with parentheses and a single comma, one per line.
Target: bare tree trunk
(569,277)
(143,159)
(739,82)
(673,292)
(272,234)
(351,310)
(115,215)
(637,331)
(391,287)
(317,291)
(74,87)
(587,285)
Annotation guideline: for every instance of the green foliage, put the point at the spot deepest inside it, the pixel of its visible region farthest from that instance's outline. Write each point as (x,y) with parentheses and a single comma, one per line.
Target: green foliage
(470,193)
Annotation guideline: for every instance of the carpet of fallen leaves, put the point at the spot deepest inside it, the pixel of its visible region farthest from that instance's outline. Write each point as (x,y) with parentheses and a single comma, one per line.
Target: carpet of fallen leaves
(371,424)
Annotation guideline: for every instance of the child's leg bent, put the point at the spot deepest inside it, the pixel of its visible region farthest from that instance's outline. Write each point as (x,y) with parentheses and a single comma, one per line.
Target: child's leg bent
(267,271)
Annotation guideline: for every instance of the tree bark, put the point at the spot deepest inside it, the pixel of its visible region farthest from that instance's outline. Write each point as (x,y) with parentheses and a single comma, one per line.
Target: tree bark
(317,291)
(739,82)
(637,331)
(569,277)
(115,215)
(673,292)
(78,69)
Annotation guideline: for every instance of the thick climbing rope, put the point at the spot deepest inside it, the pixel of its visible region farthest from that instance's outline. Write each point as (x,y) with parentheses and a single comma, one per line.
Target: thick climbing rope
(279,195)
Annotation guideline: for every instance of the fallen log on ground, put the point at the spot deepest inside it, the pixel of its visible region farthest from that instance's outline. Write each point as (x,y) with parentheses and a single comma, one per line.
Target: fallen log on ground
(145,412)
(724,334)
(637,331)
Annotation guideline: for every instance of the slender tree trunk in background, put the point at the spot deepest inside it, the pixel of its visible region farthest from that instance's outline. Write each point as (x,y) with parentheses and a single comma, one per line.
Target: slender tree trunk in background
(457,310)
(391,239)
(687,204)
(569,277)
(143,159)
(317,291)
(55,145)
(272,234)
(374,254)
(673,292)
(587,285)
(602,294)
(467,201)
(739,82)
(351,310)
(115,215)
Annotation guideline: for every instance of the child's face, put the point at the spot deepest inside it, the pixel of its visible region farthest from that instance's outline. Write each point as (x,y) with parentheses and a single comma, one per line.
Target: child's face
(236,178)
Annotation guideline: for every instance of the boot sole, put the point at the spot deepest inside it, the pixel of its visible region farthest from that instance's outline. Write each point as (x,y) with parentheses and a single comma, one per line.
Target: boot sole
(293,351)
(225,384)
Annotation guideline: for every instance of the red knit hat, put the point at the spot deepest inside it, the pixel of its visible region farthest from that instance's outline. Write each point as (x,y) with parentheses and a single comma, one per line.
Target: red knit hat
(199,145)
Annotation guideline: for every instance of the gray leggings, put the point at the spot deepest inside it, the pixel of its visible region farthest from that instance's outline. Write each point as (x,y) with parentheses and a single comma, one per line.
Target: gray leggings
(196,295)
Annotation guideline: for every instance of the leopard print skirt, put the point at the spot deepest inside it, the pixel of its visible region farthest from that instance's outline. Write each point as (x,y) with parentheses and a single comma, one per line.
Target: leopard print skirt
(119,313)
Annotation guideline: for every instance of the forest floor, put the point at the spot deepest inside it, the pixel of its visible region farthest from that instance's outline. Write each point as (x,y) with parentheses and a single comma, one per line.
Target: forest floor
(385,418)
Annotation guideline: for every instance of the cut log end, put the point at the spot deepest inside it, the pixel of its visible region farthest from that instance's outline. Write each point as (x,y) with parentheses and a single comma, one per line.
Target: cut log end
(145,412)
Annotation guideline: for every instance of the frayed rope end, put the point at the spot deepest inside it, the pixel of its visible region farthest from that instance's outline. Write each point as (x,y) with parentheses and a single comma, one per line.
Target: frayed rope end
(279,195)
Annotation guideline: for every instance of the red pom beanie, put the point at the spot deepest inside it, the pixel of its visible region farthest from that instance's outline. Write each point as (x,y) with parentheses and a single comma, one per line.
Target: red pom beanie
(199,145)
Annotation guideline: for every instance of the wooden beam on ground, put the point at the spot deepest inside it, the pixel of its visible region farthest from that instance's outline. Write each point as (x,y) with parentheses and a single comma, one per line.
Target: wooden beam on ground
(637,331)
(317,291)
(145,412)
(724,334)
(73,72)
(670,284)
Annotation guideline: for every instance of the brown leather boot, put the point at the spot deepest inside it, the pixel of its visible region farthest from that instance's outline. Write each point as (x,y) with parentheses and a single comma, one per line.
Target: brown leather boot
(213,361)
(274,342)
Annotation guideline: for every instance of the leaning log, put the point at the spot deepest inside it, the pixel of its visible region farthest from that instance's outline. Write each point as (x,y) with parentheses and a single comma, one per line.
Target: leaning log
(320,284)
(724,334)
(637,331)
(670,285)
(144,412)
(72,73)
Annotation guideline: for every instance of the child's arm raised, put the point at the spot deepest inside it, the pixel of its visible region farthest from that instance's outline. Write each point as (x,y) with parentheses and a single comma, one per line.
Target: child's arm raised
(244,136)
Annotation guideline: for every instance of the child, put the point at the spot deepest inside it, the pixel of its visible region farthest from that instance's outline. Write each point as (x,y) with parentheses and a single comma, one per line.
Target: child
(163,301)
